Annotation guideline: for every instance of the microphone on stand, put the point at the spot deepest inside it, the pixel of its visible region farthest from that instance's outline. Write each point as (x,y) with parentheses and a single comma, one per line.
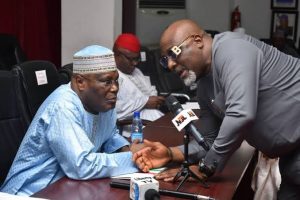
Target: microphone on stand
(176,108)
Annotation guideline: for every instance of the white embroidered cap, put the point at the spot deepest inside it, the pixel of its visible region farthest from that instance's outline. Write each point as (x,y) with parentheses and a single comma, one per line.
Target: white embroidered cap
(94,59)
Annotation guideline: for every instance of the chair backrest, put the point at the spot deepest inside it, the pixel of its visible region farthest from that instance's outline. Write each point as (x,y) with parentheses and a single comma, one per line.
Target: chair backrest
(212,32)
(39,79)
(14,120)
(65,73)
(11,52)
(147,66)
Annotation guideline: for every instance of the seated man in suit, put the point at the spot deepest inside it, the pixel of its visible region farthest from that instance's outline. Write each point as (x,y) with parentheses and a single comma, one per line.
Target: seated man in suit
(136,92)
(74,131)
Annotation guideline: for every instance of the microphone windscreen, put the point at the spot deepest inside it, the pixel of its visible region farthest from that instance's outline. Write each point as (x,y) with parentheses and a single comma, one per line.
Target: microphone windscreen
(173,104)
(152,194)
(140,185)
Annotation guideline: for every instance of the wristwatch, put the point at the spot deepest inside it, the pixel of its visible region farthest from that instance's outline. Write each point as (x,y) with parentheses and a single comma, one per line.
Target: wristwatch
(207,171)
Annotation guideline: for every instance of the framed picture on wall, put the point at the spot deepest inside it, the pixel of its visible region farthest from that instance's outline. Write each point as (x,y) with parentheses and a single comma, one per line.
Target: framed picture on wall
(284,4)
(285,22)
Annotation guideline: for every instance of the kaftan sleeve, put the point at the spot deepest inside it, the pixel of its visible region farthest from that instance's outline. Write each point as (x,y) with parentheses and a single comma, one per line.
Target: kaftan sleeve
(77,155)
(115,142)
(153,91)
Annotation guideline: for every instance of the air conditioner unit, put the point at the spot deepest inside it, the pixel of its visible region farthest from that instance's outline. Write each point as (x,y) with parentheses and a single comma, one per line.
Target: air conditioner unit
(153,16)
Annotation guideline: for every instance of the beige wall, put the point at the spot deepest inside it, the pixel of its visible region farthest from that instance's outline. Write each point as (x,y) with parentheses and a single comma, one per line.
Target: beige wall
(215,14)
(89,22)
(100,21)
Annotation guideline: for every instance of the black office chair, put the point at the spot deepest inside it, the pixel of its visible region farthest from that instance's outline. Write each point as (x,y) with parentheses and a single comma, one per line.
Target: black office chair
(14,120)
(38,80)
(148,67)
(212,32)
(65,73)
(11,52)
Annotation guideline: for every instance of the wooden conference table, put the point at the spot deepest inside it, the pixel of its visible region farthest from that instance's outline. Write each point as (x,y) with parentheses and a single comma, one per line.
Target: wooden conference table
(232,183)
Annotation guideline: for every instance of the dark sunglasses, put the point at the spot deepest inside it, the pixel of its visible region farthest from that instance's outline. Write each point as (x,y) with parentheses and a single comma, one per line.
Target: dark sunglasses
(173,53)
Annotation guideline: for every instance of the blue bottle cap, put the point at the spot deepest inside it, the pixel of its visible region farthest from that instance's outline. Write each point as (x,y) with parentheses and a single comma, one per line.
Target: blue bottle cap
(136,114)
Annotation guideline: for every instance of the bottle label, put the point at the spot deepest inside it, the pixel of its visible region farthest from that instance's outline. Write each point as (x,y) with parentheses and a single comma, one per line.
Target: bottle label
(137,136)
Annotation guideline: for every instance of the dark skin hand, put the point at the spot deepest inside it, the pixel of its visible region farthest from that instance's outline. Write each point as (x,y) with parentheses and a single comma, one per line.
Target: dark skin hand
(154,102)
(153,155)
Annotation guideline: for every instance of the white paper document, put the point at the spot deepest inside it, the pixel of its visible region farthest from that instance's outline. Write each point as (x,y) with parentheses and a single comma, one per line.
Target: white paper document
(151,173)
(191,105)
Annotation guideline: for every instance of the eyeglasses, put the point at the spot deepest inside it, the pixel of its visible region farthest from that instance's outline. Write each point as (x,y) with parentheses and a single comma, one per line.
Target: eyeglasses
(173,53)
(135,59)
(106,83)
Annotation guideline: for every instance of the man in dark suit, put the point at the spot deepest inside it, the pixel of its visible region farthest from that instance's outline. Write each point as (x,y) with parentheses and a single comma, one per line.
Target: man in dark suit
(261,96)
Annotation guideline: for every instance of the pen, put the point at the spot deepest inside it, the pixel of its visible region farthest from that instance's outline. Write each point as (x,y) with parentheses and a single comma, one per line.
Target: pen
(177,194)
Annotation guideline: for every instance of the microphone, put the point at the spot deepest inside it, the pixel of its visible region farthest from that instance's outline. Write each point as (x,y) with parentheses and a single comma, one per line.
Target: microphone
(171,193)
(175,107)
(141,188)
(152,194)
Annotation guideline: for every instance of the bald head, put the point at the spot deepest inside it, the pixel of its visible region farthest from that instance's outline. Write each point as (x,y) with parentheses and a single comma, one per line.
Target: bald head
(191,46)
(178,30)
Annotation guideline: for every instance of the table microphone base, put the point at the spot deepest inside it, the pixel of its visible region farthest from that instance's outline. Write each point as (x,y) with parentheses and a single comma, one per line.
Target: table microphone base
(185,170)
(186,173)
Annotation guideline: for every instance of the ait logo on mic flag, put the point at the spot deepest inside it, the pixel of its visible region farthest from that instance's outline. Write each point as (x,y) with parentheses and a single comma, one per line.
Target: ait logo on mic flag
(184,118)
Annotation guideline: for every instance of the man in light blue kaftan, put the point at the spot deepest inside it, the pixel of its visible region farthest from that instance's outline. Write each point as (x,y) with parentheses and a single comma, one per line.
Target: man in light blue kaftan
(74,131)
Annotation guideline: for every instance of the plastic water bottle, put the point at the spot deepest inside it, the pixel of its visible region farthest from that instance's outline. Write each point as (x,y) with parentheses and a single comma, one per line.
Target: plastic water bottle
(137,128)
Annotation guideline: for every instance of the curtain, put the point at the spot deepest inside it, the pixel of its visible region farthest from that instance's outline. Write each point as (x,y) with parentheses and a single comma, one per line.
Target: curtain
(37,25)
